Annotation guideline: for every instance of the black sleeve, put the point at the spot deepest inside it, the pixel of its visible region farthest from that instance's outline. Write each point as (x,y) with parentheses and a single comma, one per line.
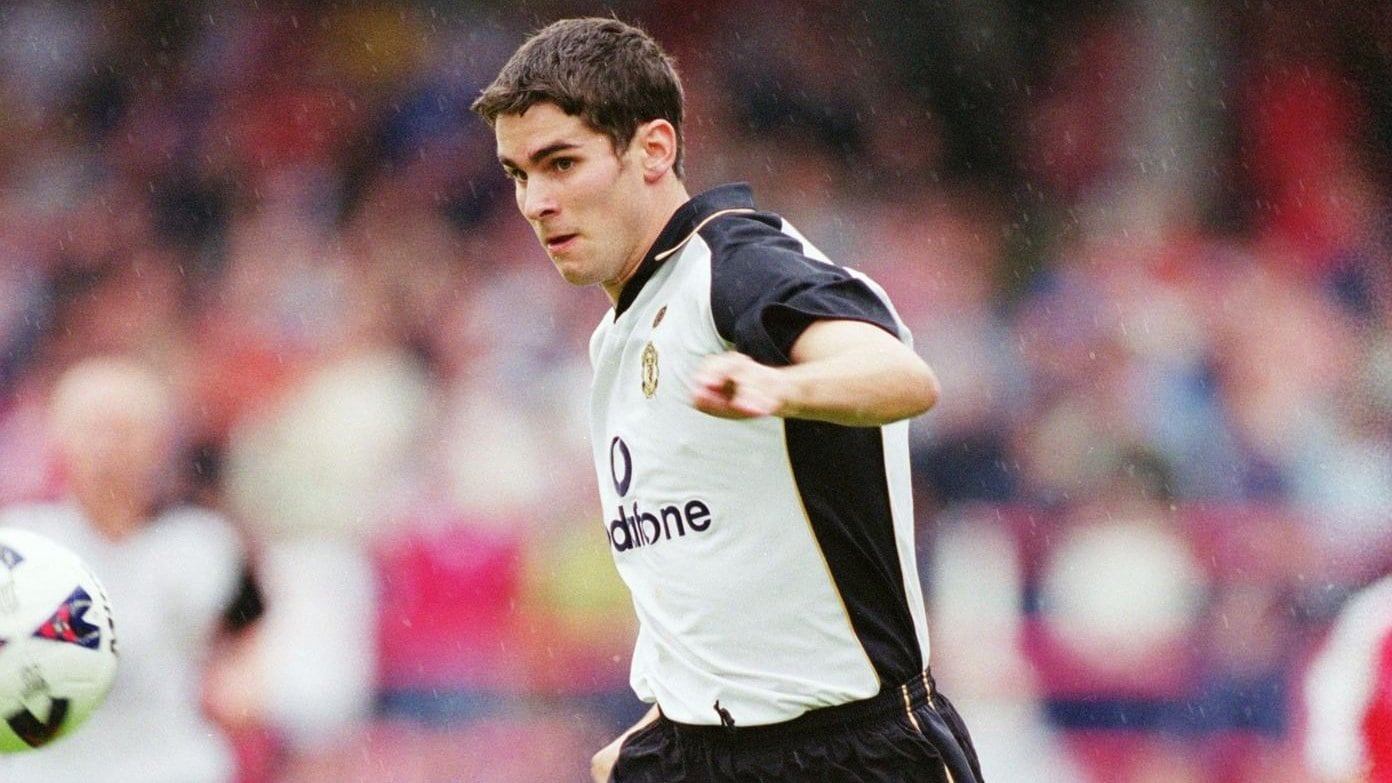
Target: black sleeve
(765,291)
(247,604)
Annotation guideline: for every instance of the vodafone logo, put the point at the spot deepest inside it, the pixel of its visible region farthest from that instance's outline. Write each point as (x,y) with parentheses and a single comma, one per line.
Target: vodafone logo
(620,465)
(633,527)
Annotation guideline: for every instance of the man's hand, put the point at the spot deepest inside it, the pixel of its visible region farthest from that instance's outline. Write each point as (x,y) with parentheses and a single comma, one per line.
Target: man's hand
(846,372)
(734,386)
(602,763)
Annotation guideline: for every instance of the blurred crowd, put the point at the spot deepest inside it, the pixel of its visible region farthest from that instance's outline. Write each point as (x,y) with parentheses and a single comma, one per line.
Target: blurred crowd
(1146,246)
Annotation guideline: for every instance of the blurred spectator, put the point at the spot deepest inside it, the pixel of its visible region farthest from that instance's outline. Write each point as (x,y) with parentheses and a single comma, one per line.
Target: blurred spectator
(980,641)
(314,474)
(178,576)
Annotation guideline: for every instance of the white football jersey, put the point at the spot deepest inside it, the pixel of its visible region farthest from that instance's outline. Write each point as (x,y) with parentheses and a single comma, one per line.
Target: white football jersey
(770,560)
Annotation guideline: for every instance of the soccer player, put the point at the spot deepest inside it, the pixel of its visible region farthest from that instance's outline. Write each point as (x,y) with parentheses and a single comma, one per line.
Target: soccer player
(176,576)
(749,426)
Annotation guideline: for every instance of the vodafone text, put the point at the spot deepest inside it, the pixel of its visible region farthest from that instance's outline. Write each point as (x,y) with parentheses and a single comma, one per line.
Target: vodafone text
(634,527)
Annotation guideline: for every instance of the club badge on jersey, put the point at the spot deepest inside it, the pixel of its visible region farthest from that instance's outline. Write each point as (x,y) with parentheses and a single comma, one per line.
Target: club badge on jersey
(649,370)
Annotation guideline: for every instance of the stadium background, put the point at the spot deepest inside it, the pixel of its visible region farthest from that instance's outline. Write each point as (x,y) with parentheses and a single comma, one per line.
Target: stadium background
(1145,244)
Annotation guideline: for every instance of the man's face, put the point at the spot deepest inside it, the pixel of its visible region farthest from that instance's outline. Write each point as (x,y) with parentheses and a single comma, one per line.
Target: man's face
(585,202)
(116,448)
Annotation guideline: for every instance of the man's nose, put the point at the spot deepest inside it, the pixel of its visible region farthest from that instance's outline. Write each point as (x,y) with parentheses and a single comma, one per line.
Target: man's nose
(538,201)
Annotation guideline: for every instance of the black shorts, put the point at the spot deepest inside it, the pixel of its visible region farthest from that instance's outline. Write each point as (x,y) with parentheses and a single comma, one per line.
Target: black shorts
(905,735)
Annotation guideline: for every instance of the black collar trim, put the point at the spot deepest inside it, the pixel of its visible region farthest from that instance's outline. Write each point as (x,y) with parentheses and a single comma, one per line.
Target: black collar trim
(684,223)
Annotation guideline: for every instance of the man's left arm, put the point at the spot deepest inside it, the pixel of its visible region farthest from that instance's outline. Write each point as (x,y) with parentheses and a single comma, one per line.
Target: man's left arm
(842,371)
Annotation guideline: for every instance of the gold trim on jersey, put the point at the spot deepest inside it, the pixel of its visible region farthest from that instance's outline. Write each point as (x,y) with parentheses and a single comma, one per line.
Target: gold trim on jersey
(712,216)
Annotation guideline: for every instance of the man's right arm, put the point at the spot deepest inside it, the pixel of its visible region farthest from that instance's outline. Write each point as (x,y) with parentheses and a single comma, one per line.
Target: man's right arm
(845,372)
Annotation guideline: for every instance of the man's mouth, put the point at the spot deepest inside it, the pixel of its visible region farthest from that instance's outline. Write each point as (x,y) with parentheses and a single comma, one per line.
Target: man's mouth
(558,241)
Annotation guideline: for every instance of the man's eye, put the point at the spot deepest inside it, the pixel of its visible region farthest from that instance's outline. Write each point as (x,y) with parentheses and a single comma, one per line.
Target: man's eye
(563,164)
(517,175)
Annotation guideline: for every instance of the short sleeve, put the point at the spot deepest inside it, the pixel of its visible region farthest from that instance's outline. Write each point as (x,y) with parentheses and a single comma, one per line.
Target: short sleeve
(765,291)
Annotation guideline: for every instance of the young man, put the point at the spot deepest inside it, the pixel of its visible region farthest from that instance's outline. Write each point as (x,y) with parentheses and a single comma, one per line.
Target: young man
(749,428)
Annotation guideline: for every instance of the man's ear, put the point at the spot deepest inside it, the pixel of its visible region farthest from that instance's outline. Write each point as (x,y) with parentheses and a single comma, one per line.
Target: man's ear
(656,144)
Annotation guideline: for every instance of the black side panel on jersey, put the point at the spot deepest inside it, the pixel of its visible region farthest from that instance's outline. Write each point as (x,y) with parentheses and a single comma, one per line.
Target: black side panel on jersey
(840,475)
(764,293)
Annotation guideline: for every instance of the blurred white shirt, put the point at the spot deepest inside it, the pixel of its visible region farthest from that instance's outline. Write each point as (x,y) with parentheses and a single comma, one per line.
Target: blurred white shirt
(169,585)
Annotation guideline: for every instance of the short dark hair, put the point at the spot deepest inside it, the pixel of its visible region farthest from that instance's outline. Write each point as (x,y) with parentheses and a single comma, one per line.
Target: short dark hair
(612,75)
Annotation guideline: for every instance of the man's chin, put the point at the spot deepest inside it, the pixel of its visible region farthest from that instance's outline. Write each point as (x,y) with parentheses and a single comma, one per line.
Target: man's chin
(574,276)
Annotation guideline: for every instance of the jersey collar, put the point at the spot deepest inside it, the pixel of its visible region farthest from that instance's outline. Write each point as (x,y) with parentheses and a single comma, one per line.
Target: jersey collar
(684,224)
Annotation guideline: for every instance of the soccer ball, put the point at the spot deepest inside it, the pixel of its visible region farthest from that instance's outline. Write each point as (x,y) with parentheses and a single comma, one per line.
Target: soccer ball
(57,641)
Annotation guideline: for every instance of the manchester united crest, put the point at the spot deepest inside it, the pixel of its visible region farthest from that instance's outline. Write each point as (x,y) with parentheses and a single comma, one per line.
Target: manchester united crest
(649,370)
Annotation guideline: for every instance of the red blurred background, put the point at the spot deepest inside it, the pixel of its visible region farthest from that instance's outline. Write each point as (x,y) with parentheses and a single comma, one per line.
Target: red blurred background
(1145,245)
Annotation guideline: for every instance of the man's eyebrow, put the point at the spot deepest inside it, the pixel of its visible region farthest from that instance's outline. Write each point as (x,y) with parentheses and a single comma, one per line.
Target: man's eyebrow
(541,154)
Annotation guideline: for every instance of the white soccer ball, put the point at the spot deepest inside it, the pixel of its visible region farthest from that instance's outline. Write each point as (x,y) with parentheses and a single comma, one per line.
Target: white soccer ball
(57,641)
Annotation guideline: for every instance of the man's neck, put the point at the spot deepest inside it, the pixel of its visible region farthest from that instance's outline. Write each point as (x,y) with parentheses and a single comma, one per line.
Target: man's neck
(115,515)
(667,198)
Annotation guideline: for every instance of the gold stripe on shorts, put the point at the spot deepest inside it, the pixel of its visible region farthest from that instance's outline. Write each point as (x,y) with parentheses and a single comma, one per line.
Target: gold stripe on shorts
(908,708)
